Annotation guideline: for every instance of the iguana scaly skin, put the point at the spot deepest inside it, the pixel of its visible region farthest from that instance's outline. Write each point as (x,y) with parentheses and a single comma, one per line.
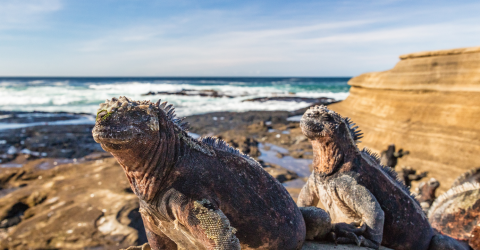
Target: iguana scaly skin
(456,213)
(354,187)
(426,193)
(472,176)
(195,194)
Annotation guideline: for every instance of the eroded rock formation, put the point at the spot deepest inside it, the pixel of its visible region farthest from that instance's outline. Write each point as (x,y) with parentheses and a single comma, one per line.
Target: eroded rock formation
(429,103)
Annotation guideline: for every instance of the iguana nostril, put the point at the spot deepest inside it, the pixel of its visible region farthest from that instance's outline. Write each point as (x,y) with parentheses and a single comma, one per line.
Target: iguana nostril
(313,114)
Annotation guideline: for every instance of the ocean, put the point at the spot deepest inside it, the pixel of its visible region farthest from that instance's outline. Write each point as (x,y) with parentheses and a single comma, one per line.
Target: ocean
(82,95)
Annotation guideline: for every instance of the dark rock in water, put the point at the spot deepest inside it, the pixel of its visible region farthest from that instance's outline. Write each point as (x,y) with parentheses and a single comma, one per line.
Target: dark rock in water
(73,141)
(192,92)
(318,101)
(37,116)
(218,122)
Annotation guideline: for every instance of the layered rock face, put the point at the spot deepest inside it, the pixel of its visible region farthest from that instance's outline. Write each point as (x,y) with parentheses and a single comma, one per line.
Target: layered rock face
(429,104)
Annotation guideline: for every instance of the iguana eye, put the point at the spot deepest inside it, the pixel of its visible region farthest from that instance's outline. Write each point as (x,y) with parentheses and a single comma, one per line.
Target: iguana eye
(101,114)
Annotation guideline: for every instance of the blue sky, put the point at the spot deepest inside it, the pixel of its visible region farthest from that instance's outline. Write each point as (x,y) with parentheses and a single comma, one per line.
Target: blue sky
(225,38)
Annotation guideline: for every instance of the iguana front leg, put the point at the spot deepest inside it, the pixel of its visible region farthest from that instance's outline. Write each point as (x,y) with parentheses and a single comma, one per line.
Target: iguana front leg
(192,224)
(308,196)
(212,226)
(157,240)
(356,199)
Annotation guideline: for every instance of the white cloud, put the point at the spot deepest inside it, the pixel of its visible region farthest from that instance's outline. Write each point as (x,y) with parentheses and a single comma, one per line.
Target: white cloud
(15,13)
(321,48)
(239,43)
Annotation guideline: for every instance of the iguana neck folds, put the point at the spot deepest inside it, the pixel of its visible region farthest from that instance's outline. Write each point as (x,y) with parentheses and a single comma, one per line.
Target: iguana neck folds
(145,168)
(327,156)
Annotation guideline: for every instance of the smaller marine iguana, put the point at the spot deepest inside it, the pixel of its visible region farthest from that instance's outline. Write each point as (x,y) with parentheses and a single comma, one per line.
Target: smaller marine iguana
(456,213)
(426,193)
(390,158)
(195,194)
(472,176)
(407,175)
(354,187)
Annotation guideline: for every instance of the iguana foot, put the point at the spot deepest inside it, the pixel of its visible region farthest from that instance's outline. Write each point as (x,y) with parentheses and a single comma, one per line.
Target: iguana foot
(368,243)
(343,233)
(317,222)
(443,242)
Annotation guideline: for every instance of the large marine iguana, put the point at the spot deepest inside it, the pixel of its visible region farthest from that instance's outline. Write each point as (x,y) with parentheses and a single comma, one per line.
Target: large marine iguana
(195,194)
(472,176)
(354,187)
(456,213)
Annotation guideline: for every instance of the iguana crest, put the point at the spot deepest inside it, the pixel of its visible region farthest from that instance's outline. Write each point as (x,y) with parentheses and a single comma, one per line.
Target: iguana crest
(472,175)
(450,194)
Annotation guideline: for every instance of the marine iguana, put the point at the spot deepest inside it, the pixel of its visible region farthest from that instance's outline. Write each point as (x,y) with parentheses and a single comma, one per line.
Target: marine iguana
(472,176)
(195,194)
(407,175)
(354,187)
(390,158)
(456,213)
(426,193)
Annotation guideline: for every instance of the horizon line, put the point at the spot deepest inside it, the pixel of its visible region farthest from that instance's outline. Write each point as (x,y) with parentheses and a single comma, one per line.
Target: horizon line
(176,76)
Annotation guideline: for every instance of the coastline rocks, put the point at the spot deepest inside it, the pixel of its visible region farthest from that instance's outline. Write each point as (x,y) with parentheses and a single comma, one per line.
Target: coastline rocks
(317,101)
(73,141)
(429,103)
(192,92)
(74,206)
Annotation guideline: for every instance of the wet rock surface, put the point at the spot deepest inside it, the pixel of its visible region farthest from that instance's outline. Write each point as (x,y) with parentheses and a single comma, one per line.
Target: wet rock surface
(73,141)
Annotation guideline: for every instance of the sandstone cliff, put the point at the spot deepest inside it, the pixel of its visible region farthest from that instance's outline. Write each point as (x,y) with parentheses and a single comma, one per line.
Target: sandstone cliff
(429,103)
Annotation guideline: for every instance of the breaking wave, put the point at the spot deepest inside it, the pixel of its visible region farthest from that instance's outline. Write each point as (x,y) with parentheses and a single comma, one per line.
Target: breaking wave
(84,94)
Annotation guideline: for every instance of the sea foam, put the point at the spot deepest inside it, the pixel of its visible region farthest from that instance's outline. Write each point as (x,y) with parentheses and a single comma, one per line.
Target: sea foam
(84,94)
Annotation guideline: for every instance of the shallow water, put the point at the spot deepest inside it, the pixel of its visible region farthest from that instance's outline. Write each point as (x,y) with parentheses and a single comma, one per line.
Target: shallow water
(299,166)
(77,120)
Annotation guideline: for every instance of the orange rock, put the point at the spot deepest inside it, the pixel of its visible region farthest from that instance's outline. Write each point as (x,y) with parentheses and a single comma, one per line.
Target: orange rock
(429,104)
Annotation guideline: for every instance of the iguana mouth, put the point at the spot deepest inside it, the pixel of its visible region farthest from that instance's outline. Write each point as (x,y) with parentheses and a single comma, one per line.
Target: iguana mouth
(112,136)
(311,121)
(311,125)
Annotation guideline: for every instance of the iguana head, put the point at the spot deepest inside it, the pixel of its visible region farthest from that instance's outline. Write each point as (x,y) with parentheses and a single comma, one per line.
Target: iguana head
(319,121)
(123,124)
(332,136)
